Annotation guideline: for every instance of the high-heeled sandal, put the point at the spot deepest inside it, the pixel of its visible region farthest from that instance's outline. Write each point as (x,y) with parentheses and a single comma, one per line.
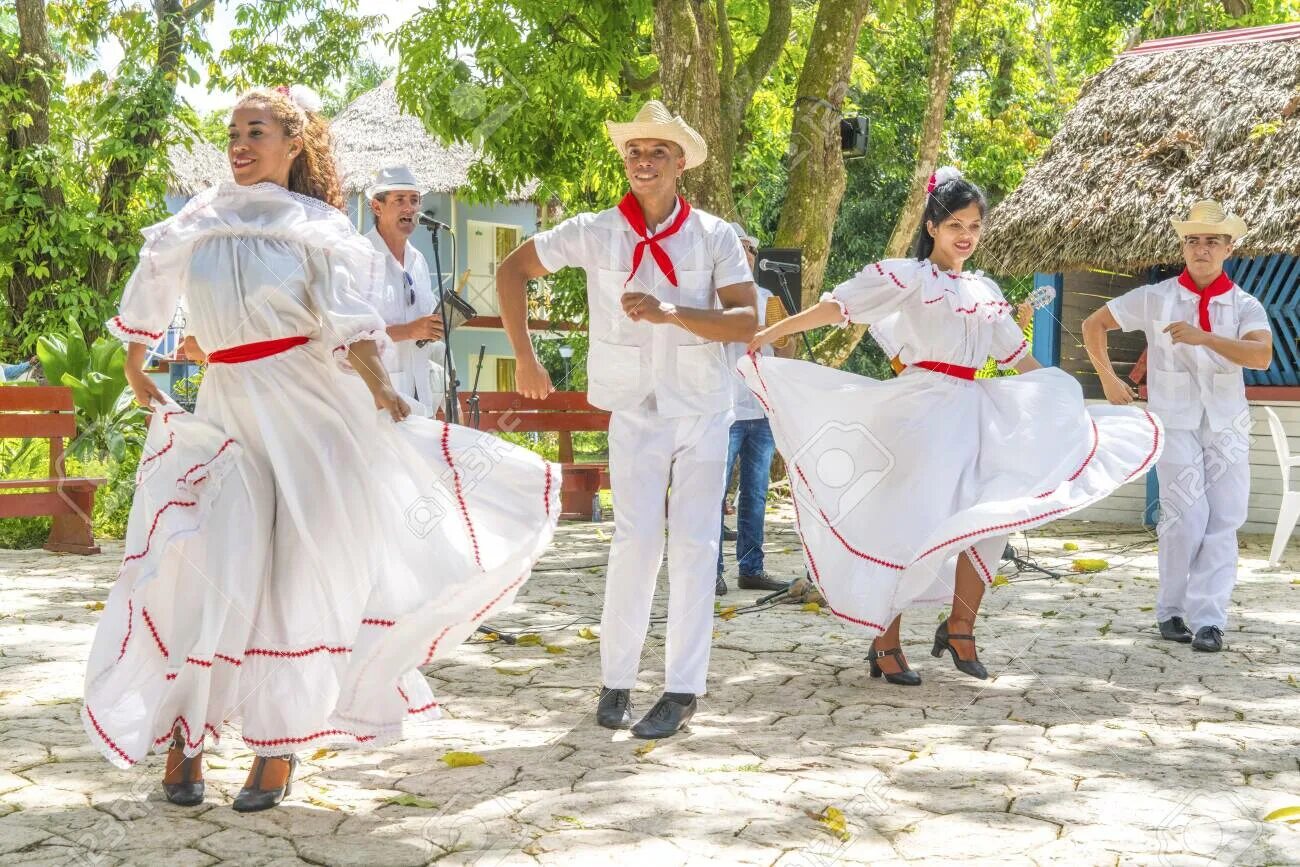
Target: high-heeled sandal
(253,797)
(943,641)
(188,792)
(904,677)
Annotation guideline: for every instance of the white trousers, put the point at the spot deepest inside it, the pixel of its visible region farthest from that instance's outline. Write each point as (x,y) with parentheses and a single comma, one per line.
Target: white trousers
(1204,488)
(646,452)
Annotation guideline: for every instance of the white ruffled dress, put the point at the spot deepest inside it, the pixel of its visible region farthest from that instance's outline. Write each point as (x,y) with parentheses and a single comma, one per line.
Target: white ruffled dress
(894,479)
(293,555)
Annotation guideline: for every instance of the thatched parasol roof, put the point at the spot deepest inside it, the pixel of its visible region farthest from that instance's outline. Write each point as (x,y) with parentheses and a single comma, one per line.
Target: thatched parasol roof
(373,132)
(1149,136)
(195,164)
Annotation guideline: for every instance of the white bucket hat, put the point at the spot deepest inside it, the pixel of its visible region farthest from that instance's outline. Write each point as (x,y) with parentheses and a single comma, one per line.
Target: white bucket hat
(744,236)
(390,179)
(1208,218)
(655,121)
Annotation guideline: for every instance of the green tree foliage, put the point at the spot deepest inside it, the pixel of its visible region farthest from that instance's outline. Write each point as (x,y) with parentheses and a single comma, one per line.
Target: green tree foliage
(83,164)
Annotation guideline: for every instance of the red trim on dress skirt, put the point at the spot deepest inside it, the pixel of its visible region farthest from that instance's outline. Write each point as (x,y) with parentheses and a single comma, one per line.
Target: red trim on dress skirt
(148,542)
(171,441)
(185,475)
(295,654)
(375,621)
(988,576)
(817,578)
(104,735)
(361,739)
(460,495)
(144,612)
(478,615)
(546,494)
(130,617)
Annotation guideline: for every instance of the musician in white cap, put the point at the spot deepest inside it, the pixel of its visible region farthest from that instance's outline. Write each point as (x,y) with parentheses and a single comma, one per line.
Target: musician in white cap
(406,298)
(752,447)
(667,286)
(1202,330)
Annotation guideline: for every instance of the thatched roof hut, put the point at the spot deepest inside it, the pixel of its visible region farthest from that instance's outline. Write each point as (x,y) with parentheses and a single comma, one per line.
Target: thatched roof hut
(1172,121)
(194,165)
(373,132)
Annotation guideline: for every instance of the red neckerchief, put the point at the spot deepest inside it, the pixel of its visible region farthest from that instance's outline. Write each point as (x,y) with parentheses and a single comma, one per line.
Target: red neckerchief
(1221,284)
(630,208)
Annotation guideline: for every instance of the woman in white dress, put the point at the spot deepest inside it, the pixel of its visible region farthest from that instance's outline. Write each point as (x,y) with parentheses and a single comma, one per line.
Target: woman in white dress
(293,555)
(906,489)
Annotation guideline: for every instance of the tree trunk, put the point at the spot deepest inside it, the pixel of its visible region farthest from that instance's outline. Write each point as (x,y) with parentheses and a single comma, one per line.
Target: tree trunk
(817,177)
(156,99)
(836,349)
(703,81)
(36,60)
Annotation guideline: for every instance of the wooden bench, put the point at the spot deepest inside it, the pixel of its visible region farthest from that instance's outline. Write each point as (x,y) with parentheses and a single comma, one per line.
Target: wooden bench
(563,412)
(45,412)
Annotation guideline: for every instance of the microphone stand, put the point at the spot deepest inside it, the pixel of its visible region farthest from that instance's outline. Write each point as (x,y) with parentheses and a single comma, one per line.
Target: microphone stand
(475,417)
(788,300)
(451,407)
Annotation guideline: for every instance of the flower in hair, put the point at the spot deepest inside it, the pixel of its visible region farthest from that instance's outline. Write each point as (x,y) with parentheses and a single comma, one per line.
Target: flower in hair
(943,176)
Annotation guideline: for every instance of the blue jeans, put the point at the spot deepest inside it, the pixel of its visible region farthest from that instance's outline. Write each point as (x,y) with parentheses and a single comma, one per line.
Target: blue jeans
(752,444)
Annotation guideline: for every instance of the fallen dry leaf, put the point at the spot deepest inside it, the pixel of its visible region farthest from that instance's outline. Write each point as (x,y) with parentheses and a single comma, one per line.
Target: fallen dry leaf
(462,760)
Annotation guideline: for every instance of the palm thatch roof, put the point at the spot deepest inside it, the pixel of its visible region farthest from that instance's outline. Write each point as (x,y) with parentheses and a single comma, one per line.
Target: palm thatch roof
(195,164)
(373,132)
(1153,133)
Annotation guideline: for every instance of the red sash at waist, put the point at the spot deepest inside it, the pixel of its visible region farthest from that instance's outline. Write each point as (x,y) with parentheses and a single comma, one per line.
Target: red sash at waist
(254,351)
(954,370)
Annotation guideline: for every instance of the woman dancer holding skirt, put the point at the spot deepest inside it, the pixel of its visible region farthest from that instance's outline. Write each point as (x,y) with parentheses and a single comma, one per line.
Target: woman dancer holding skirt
(906,489)
(292,555)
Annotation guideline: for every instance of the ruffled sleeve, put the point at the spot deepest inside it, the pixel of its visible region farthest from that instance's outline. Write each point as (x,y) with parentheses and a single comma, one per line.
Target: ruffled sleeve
(343,278)
(154,289)
(876,291)
(1009,343)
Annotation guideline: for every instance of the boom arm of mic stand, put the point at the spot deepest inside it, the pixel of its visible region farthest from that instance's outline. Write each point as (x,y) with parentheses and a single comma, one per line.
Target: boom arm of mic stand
(788,301)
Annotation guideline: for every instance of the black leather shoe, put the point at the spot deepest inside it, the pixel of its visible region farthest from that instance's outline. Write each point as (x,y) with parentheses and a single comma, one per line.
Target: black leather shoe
(253,797)
(905,677)
(761,582)
(189,791)
(1209,639)
(1174,629)
(728,535)
(670,715)
(942,642)
(614,710)
(720,587)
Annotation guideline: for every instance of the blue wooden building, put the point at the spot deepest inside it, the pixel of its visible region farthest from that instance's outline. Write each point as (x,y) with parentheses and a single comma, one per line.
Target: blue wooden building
(1172,121)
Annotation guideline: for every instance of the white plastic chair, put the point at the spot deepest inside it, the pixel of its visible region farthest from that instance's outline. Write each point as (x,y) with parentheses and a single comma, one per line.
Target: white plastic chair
(1290,511)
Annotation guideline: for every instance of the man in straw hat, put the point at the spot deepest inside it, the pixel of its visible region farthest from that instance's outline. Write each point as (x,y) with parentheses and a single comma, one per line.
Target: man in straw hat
(667,285)
(405,298)
(1201,330)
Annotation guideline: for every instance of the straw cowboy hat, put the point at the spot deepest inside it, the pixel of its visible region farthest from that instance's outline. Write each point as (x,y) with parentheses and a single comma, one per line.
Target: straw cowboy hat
(1208,218)
(390,179)
(655,121)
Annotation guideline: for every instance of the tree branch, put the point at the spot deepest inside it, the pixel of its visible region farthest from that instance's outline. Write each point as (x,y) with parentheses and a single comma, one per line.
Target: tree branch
(195,9)
(639,84)
(728,47)
(765,54)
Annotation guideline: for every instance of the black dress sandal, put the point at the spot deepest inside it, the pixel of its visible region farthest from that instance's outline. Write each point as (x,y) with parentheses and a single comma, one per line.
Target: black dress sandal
(253,797)
(905,677)
(189,791)
(942,642)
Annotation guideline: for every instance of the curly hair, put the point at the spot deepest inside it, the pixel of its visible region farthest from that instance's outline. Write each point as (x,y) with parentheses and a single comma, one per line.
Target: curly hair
(313,172)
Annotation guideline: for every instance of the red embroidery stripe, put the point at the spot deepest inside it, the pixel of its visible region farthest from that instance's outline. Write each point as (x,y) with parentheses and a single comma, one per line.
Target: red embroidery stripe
(229,659)
(428,706)
(836,533)
(144,612)
(988,578)
(817,579)
(122,325)
(104,735)
(361,739)
(227,444)
(1155,446)
(1012,356)
(294,654)
(206,663)
(171,441)
(478,615)
(375,621)
(460,495)
(546,494)
(148,542)
(130,619)
(891,276)
(171,676)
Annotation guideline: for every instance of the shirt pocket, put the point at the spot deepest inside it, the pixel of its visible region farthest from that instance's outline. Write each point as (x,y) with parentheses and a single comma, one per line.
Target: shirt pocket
(702,368)
(695,289)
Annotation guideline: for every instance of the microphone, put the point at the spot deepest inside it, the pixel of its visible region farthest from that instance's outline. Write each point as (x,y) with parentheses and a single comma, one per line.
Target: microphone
(426,218)
(779,267)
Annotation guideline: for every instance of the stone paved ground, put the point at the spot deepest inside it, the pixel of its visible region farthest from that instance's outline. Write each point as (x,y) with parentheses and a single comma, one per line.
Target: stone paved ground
(1094,743)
